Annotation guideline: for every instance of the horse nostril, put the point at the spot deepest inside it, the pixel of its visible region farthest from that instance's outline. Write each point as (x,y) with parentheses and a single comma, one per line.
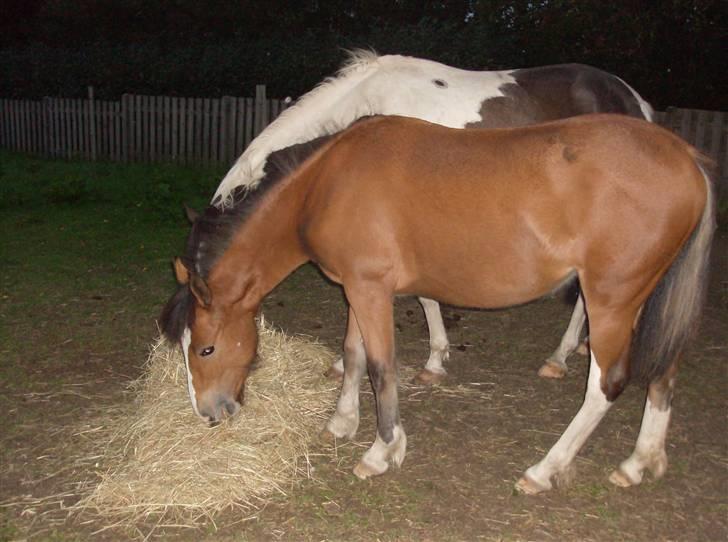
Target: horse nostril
(231,407)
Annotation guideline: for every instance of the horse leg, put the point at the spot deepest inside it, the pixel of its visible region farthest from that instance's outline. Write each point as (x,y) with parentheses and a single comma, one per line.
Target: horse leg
(434,372)
(555,365)
(345,420)
(374,315)
(649,452)
(607,376)
(336,371)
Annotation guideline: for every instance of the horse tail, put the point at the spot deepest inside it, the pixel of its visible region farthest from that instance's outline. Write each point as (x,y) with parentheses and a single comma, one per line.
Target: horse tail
(671,312)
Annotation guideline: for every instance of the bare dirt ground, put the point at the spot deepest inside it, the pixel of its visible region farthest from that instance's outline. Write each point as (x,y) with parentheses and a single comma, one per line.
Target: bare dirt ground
(469,439)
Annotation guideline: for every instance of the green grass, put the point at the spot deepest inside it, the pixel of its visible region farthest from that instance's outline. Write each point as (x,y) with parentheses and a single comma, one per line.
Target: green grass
(86,249)
(156,189)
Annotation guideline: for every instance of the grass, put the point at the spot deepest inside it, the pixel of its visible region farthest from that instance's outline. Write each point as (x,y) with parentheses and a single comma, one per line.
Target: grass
(85,241)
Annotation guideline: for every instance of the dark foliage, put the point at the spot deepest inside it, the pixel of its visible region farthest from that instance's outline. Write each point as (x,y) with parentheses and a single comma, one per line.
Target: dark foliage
(670,51)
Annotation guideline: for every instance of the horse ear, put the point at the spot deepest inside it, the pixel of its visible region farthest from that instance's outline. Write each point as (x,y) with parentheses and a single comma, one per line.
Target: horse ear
(200,290)
(181,272)
(191,214)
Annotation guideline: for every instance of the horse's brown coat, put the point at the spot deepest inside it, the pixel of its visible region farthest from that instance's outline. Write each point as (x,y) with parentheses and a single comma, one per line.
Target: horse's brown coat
(478,218)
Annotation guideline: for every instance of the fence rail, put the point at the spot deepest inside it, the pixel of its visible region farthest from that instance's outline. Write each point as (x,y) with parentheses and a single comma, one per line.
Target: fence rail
(137,128)
(215,131)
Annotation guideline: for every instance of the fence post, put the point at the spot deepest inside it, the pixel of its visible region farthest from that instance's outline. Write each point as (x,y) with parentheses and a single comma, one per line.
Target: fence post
(125,126)
(227,121)
(48,131)
(261,109)
(92,121)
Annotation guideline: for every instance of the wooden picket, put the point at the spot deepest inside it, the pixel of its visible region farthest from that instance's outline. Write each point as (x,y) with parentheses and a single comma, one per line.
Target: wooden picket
(214,131)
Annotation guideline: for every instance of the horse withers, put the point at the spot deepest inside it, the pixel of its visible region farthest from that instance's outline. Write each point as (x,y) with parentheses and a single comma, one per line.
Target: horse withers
(474,218)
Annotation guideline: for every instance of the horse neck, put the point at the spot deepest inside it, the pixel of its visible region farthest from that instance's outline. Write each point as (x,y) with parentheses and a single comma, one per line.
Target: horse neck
(328,108)
(267,248)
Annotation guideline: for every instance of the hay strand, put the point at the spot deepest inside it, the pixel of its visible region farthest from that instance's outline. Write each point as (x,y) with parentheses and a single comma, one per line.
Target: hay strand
(162,464)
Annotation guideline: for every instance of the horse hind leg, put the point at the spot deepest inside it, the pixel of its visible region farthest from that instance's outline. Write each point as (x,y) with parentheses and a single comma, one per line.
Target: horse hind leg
(649,453)
(434,372)
(610,336)
(555,365)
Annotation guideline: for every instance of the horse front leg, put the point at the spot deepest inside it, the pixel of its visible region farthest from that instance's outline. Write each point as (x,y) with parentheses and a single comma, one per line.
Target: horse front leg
(374,315)
(345,421)
(434,372)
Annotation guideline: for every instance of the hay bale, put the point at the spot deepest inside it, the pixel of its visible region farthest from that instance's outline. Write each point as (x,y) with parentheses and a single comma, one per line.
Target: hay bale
(164,464)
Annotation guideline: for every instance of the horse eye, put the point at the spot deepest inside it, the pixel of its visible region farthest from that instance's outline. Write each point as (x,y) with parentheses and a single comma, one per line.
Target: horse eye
(207,351)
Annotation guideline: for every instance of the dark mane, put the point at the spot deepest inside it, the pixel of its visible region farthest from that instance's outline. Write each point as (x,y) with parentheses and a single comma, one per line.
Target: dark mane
(213,230)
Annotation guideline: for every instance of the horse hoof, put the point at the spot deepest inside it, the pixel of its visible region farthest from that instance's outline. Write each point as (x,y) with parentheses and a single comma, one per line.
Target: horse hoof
(332,373)
(583,348)
(365,470)
(429,378)
(530,487)
(620,479)
(552,370)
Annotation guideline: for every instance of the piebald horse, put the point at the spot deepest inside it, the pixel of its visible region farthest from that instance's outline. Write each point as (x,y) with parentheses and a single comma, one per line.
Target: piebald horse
(476,218)
(396,85)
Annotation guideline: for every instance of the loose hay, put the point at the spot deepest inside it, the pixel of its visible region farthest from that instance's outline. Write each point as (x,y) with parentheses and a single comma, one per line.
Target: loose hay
(164,464)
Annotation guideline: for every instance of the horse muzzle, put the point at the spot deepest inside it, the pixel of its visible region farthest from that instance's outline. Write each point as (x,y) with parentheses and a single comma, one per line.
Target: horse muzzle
(217,408)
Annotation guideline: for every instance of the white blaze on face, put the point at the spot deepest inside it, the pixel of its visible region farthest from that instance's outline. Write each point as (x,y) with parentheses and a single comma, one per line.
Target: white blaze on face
(186,340)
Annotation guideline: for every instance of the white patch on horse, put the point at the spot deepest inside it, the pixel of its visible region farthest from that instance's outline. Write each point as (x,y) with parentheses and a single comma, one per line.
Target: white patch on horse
(185,342)
(376,459)
(560,456)
(570,340)
(439,345)
(649,453)
(368,85)
(645,107)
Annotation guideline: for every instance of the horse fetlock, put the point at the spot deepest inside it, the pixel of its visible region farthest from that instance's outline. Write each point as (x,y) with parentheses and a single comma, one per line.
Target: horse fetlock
(657,464)
(343,425)
(631,471)
(336,371)
(565,477)
(376,460)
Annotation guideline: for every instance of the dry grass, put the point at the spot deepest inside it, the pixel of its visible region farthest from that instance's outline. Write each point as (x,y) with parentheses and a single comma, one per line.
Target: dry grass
(161,464)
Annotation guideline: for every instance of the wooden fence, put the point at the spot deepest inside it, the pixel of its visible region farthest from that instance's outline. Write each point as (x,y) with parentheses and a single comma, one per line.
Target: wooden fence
(214,131)
(137,128)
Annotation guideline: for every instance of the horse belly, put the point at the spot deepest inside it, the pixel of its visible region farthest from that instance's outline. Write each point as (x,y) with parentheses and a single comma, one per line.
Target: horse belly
(481,263)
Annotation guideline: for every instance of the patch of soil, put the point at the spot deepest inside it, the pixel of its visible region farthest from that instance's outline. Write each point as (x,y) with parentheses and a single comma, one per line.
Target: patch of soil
(469,439)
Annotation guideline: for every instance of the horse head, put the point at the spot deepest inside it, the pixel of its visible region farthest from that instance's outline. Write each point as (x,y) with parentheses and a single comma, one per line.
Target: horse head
(219,340)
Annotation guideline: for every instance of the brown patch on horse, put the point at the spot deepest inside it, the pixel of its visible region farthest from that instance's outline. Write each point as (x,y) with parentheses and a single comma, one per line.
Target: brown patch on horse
(556,92)
(569,154)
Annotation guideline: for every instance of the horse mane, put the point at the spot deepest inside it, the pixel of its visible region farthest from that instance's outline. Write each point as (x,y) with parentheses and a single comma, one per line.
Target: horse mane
(311,113)
(213,230)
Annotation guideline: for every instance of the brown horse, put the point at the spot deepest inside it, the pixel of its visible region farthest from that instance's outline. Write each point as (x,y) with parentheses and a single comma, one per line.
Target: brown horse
(475,218)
